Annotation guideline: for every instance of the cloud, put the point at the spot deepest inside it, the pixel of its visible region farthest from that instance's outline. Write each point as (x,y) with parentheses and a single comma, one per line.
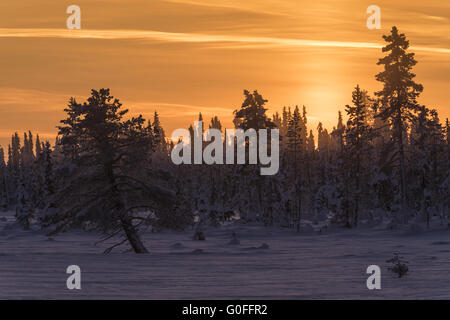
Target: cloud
(178,37)
(435,18)
(245,6)
(28,99)
(170,110)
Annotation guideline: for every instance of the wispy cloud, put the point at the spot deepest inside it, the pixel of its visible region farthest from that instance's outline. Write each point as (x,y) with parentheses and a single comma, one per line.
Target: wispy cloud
(13,96)
(174,109)
(435,18)
(245,6)
(177,37)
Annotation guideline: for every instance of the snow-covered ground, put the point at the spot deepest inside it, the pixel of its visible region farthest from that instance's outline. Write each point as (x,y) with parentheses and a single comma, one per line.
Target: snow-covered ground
(330,265)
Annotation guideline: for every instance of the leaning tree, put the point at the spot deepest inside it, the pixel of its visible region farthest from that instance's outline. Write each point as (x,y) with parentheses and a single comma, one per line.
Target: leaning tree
(105,183)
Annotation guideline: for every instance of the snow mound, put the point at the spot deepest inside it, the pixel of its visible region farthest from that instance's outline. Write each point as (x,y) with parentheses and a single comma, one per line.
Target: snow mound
(264,246)
(177,246)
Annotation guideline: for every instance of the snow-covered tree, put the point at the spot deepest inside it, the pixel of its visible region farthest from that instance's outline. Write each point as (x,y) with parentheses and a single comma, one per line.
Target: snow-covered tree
(398,98)
(104,184)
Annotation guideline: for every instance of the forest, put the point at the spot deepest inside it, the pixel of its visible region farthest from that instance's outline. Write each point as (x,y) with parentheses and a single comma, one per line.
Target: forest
(112,174)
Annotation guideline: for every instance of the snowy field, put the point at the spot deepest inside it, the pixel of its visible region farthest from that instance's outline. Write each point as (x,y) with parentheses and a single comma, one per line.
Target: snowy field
(268,263)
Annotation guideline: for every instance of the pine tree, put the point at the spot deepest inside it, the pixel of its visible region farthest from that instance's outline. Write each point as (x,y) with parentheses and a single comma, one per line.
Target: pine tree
(24,208)
(102,190)
(311,142)
(446,183)
(158,131)
(447,140)
(3,180)
(323,138)
(426,151)
(38,146)
(285,121)
(357,136)
(15,154)
(398,97)
(296,147)
(44,171)
(252,114)
(277,120)
(215,123)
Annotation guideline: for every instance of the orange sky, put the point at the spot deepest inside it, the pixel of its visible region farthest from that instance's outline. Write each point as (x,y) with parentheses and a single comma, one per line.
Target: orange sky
(180,57)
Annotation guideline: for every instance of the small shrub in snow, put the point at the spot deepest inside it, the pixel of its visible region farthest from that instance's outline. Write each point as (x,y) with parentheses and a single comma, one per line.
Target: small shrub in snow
(199,235)
(399,266)
(264,246)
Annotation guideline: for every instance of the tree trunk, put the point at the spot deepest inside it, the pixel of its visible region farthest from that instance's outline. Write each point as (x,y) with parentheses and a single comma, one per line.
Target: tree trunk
(402,172)
(127,225)
(132,236)
(358,176)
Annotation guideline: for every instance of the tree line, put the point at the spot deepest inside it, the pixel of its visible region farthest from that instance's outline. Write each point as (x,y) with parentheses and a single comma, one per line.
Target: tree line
(112,174)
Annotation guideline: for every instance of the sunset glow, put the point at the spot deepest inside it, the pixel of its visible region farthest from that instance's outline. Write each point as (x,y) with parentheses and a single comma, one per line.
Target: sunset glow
(183,57)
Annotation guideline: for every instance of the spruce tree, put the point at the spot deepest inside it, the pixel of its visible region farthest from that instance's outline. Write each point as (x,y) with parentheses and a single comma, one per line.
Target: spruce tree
(102,188)
(296,147)
(215,123)
(357,137)
(252,114)
(398,97)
